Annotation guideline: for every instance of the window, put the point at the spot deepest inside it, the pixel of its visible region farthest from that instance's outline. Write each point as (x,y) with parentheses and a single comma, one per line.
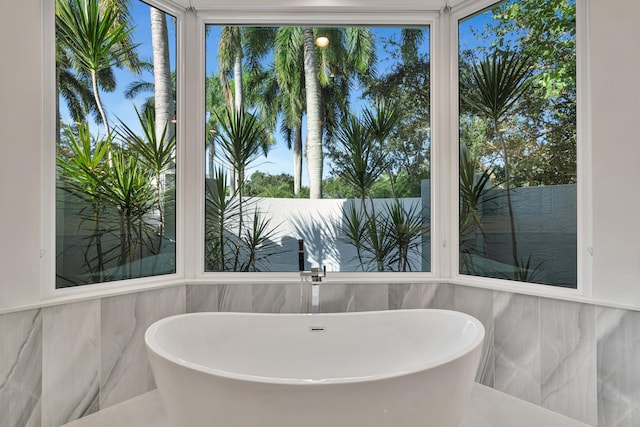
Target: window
(115,198)
(319,134)
(517,74)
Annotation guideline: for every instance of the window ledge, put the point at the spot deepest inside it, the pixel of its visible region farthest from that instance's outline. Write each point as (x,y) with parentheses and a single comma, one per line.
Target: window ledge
(70,295)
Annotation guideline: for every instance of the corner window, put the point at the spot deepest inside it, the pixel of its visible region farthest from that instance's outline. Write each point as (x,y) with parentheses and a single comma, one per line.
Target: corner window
(517,75)
(319,135)
(116,140)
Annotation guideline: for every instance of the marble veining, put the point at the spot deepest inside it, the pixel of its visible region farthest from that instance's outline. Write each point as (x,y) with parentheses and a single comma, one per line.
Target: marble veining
(429,295)
(202,298)
(336,298)
(235,297)
(618,353)
(478,303)
(124,368)
(276,298)
(61,363)
(370,297)
(70,362)
(568,359)
(20,368)
(517,345)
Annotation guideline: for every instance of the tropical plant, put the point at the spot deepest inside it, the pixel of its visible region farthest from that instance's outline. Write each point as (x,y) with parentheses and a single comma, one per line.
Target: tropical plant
(164,86)
(128,189)
(491,89)
(289,73)
(381,239)
(234,243)
(82,164)
(406,85)
(238,237)
(403,228)
(241,141)
(316,81)
(121,198)
(314,116)
(475,190)
(157,158)
(94,36)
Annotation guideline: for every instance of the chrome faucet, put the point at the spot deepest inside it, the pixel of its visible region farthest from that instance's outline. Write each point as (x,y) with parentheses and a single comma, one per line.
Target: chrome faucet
(312,300)
(309,295)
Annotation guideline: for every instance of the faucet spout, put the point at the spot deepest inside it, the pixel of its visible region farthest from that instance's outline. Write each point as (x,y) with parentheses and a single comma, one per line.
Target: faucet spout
(312,292)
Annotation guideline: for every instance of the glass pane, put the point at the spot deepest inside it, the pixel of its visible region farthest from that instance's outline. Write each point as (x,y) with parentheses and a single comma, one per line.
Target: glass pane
(115,198)
(518,142)
(320,135)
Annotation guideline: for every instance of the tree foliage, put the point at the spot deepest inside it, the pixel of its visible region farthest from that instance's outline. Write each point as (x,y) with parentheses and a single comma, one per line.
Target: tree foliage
(542,126)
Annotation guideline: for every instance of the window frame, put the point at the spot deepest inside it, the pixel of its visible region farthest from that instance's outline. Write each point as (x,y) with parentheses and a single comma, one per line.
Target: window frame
(328,18)
(583,164)
(190,39)
(48,251)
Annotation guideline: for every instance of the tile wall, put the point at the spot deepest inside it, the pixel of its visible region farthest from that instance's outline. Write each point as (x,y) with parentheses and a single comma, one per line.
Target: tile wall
(64,362)
(61,363)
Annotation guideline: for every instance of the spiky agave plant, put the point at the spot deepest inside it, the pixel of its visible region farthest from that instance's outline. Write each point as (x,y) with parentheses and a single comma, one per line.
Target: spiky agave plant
(491,88)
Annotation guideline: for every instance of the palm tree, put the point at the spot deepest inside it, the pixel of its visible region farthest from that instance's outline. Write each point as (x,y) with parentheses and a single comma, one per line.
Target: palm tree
(230,55)
(236,43)
(93,34)
(242,140)
(289,72)
(74,89)
(314,117)
(491,89)
(317,81)
(164,99)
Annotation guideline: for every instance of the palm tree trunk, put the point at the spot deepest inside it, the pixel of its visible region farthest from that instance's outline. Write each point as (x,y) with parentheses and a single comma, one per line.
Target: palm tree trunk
(237,81)
(314,123)
(163,97)
(96,95)
(297,160)
(161,75)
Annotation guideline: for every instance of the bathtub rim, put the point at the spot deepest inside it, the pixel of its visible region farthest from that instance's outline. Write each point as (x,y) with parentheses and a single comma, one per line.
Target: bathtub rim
(154,347)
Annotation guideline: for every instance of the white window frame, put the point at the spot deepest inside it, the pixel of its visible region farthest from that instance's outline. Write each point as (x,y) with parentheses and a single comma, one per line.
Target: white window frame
(48,218)
(443,25)
(583,160)
(327,17)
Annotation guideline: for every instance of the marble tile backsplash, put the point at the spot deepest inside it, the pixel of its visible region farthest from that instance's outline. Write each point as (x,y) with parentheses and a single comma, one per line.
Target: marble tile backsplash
(63,362)
(124,369)
(21,368)
(70,362)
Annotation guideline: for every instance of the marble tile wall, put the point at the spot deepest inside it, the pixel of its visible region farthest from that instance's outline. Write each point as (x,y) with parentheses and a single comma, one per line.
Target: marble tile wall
(618,361)
(21,368)
(124,369)
(61,363)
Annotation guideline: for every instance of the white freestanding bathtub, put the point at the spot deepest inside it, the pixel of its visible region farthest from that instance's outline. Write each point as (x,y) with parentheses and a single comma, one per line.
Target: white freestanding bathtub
(409,368)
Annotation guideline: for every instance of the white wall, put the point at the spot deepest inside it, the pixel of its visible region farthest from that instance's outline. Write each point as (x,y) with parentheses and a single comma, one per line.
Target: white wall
(20,154)
(615,94)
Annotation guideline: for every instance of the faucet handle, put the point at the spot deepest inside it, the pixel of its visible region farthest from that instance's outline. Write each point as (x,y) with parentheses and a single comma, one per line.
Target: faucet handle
(315,273)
